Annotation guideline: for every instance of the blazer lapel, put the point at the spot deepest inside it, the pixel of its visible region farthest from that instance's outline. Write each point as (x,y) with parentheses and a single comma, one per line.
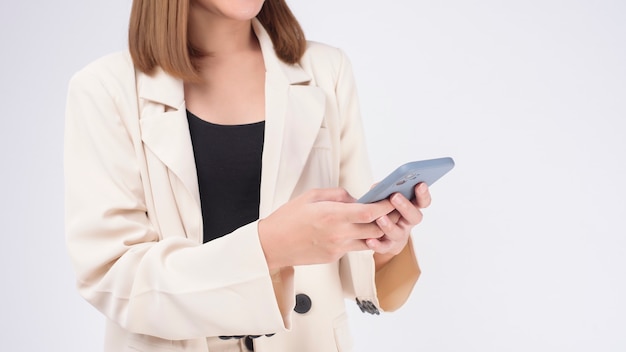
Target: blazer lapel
(164,126)
(294,112)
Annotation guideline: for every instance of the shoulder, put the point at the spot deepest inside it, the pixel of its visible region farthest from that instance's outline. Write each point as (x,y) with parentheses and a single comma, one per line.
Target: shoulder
(106,84)
(325,60)
(114,64)
(323,55)
(317,50)
(110,71)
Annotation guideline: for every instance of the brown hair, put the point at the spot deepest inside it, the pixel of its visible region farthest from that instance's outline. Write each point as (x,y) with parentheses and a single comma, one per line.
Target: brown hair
(157,35)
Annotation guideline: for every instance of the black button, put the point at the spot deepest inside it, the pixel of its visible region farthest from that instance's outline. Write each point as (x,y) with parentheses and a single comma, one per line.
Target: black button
(303,303)
(367,307)
(249,343)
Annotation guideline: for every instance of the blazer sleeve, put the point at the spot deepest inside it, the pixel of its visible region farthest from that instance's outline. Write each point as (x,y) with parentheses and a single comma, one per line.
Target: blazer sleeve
(390,287)
(166,286)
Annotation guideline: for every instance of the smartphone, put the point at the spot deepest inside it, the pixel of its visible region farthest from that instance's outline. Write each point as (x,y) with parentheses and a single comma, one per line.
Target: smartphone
(406,177)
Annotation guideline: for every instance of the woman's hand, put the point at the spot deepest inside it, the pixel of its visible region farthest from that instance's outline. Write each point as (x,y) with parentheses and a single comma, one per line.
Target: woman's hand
(397,225)
(321,225)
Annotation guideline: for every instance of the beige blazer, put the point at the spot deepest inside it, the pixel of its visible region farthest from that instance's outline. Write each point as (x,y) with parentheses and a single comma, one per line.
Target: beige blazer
(133,218)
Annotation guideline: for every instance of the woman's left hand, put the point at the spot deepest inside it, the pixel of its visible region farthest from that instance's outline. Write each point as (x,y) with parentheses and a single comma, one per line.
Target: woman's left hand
(398,224)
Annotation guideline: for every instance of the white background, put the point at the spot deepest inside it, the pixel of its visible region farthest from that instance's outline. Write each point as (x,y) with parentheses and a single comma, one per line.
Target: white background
(524,247)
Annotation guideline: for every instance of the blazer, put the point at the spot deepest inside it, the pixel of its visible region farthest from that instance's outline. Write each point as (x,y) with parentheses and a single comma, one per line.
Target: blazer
(133,217)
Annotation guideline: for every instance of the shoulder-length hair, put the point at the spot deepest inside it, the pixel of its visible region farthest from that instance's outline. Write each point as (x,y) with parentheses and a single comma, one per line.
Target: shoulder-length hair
(157,35)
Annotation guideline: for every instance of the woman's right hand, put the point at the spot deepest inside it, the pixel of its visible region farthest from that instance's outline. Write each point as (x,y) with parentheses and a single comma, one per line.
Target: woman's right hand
(319,226)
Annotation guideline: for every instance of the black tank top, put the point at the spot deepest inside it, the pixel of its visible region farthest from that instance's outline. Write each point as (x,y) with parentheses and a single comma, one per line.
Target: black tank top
(228,163)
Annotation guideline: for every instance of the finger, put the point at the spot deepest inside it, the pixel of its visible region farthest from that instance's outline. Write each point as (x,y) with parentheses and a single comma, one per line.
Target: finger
(358,213)
(329,194)
(393,232)
(364,231)
(379,245)
(422,195)
(357,245)
(409,211)
(394,216)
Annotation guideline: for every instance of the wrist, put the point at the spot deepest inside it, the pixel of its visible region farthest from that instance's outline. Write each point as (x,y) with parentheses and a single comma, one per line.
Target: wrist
(264,230)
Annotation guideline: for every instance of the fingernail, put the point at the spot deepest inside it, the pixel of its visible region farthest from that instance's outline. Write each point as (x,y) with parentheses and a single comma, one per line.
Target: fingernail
(382,221)
(395,198)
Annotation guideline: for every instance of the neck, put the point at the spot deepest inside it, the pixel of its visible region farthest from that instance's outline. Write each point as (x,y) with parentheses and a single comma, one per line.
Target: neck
(220,37)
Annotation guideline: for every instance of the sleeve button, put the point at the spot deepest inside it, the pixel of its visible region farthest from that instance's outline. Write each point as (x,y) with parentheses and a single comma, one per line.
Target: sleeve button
(367,307)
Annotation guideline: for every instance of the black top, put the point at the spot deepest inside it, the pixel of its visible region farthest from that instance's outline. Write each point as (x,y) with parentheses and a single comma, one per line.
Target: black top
(228,162)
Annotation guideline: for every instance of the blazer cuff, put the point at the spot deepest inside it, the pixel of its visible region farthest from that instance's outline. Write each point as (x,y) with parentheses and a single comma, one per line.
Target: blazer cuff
(357,270)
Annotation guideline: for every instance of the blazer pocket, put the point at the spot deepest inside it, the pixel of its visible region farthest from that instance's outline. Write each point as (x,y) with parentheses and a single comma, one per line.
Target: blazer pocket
(343,339)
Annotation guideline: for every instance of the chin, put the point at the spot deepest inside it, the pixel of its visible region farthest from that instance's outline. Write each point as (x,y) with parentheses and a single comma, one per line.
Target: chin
(246,14)
(241,10)
(244,9)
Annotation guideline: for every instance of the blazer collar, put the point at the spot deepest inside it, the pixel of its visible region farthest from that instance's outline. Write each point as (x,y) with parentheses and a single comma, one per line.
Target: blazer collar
(161,88)
(294,74)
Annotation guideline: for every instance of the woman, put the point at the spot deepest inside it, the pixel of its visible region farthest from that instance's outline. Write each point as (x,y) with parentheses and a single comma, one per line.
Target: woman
(209,183)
